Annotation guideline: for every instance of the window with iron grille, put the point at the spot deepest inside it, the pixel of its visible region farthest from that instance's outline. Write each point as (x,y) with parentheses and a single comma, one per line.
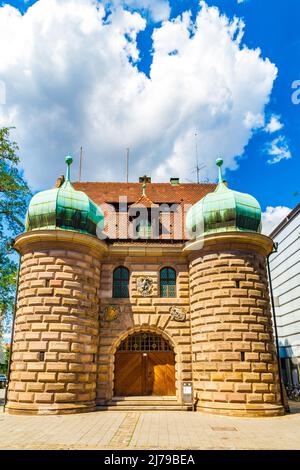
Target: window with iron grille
(144,342)
(121,282)
(168,282)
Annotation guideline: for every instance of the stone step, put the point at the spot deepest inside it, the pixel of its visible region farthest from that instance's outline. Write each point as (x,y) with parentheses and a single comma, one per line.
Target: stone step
(143,403)
(140,403)
(144,398)
(143,407)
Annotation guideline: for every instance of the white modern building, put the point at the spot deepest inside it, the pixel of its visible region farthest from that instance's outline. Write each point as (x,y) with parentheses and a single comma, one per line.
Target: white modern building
(285,275)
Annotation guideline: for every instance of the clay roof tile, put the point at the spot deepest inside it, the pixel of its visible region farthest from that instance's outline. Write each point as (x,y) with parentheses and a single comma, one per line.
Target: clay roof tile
(106,192)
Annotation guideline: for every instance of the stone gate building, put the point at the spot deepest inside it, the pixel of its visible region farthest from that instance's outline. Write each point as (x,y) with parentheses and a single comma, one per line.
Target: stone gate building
(129,293)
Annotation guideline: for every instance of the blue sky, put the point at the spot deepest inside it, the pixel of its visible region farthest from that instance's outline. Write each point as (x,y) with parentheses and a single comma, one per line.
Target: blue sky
(274,27)
(270,25)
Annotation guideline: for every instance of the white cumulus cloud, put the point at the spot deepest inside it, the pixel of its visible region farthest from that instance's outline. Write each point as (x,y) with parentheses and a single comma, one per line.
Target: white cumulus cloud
(254,121)
(72,79)
(272,217)
(279,150)
(274,124)
(159,9)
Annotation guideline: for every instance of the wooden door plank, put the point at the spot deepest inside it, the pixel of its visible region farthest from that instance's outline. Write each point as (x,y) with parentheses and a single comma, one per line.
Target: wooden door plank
(161,373)
(128,374)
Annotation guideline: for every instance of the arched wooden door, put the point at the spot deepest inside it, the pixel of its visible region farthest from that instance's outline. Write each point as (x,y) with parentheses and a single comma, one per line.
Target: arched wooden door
(144,365)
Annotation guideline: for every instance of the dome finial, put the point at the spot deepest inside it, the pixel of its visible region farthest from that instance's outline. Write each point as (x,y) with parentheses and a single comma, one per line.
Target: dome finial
(219,163)
(69,161)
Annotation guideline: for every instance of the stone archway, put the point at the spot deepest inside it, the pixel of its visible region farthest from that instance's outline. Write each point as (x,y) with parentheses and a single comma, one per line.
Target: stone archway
(144,366)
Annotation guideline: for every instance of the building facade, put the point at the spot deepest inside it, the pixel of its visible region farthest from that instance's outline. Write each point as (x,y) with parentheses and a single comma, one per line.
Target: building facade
(136,293)
(285,275)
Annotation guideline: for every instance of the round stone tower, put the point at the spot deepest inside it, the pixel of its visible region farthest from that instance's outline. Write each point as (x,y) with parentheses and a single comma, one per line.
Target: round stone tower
(53,366)
(234,359)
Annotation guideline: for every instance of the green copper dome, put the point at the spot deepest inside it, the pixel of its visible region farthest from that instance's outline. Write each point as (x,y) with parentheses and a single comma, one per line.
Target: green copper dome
(64,208)
(223,210)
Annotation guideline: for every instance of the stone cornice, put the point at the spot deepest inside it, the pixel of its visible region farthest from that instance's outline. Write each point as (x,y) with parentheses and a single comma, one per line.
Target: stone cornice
(145,250)
(58,239)
(248,241)
(244,241)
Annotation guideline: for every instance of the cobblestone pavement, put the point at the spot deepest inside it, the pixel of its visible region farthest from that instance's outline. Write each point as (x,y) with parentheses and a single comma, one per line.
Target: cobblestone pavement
(149,430)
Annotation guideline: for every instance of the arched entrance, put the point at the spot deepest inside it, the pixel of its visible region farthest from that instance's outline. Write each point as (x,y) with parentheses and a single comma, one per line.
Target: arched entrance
(144,366)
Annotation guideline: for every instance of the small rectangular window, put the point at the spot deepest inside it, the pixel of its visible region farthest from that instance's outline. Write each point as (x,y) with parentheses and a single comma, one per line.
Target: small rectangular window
(121,282)
(168,282)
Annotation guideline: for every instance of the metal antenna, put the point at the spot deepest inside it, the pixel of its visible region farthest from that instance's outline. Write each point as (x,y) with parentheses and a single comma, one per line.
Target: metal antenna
(196,155)
(199,166)
(80,163)
(127,163)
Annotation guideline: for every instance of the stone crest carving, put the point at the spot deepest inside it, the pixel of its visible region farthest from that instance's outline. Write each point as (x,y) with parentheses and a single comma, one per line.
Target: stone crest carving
(178,313)
(111,312)
(144,285)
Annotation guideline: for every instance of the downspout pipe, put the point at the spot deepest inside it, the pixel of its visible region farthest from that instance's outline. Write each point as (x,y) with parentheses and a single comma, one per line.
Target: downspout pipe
(12,336)
(283,401)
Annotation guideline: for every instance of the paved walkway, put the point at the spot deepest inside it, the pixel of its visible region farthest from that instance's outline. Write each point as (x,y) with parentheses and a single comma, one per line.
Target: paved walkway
(149,430)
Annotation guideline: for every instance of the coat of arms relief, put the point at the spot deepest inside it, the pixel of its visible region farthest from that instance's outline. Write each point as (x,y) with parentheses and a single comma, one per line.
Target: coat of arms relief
(111,312)
(178,313)
(144,285)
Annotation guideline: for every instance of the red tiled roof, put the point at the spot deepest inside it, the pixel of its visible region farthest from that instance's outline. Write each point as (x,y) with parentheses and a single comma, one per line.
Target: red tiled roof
(186,193)
(118,225)
(144,201)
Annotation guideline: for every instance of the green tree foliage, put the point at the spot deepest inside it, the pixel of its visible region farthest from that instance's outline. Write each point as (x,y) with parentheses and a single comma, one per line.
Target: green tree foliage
(14,194)
(4,367)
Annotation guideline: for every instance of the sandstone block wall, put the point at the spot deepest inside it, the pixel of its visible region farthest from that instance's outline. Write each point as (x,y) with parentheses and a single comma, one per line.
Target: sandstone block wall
(53,365)
(235,366)
(138,313)
(64,347)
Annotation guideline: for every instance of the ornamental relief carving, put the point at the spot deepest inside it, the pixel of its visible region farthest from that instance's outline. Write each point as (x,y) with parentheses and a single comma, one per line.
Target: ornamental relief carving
(178,313)
(144,285)
(111,312)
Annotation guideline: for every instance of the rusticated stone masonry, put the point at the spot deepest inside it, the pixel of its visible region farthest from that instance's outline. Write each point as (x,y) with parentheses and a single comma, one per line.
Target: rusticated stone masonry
(53,368)
(149,314)
(235,365)
(62,362)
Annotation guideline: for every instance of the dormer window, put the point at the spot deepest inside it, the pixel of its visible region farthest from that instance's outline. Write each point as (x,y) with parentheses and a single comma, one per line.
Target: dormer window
(143,229)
